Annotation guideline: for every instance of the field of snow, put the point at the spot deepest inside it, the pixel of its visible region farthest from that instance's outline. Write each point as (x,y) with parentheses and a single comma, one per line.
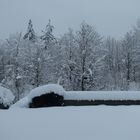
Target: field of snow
(71,123)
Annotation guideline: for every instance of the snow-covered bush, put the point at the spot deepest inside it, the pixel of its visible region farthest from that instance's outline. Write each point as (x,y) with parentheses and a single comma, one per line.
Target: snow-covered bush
(41,96)
(45,96)
(6,97)
(47,100)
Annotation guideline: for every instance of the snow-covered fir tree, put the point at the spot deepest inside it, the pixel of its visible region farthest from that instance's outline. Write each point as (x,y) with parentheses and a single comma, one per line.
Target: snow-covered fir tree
(30,34)
(48,37)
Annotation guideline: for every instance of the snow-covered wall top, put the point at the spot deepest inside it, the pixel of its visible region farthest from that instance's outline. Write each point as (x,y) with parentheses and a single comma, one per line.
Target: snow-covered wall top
(6,96)
(102,95)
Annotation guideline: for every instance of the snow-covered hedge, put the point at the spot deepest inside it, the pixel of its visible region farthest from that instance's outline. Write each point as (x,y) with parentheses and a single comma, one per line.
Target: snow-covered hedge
(6,97)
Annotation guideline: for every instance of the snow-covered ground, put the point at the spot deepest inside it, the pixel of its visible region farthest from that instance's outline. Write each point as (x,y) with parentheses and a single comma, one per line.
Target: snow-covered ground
(71,123)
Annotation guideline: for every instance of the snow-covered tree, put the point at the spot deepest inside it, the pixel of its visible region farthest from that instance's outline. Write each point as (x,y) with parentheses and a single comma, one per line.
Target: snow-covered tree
(48,37)
(88,53)
(38,65)
(3,58)
(69,65)
(14,74)
(79,60)
(136,39)
(112,64)
(129,51)
(30,34)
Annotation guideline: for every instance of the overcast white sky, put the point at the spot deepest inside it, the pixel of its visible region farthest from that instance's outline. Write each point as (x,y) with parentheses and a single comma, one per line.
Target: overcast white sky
(110,17)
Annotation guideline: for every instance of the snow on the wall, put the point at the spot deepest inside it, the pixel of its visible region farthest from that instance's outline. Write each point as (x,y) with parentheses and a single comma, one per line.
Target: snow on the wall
(102,95)
(6,96)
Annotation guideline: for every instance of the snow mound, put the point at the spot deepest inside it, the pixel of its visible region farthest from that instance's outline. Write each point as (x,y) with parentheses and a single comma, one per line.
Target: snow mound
(46,89)
(22,103)
(6,96)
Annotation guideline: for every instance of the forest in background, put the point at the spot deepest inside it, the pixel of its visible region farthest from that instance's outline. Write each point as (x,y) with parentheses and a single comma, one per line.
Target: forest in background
(81,60)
